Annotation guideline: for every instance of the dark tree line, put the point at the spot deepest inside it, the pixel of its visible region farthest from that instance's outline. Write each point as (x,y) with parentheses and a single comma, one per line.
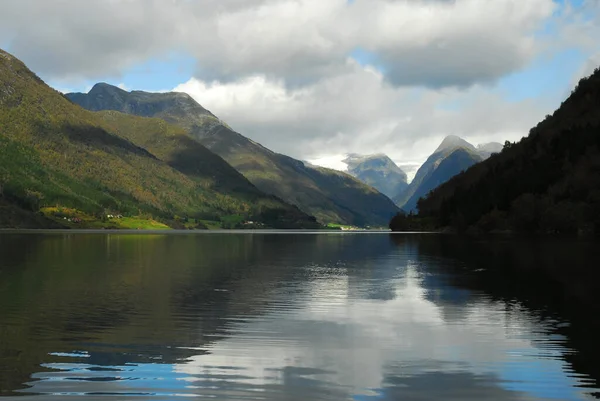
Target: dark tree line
(547,182)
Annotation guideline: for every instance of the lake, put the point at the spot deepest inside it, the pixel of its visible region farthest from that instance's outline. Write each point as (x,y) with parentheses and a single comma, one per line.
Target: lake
(296,316)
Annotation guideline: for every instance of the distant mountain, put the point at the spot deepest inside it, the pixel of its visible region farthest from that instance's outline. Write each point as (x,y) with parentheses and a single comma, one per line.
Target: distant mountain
(452,142)
(329,195)
(60,163)
(484,150)
(378,171)
(487,149)
(549,181)
(173,107)
(450,158)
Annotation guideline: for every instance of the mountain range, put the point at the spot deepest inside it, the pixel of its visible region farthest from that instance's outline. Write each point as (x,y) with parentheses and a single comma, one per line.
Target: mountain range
(451,157)
(61,165)
(329,195)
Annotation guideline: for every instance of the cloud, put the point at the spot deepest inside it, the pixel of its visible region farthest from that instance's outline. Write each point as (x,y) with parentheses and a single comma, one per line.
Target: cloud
(450,43)
(74,40)
(294,40)
(431,43)
(64,90)
(578,26)
(586,69)
(359,112)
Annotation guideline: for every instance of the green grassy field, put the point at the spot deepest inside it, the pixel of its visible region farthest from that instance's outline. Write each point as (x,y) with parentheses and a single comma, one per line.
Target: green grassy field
(74,218)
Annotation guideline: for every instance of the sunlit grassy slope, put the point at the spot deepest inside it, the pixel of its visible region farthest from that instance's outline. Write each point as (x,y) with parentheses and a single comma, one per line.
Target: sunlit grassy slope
(55,153)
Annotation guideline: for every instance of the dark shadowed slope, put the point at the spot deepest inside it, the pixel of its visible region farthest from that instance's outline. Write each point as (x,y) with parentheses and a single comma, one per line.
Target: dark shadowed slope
(56,154)
(329,195)
(459,160)
(443,164)
(549,181)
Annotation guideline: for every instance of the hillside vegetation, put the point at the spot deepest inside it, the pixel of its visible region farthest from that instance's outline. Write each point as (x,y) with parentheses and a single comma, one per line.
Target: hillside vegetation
(53,153)
(549,181)
(331,196)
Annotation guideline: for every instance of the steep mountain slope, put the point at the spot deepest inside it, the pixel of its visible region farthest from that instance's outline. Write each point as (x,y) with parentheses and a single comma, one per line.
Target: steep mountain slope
(549,181)
(329,195)
(55,154)
(459,160)
(436,170)
(378,171)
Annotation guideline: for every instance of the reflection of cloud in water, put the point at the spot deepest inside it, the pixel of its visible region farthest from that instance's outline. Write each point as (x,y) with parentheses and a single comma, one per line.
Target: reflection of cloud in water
(333,339)
(453,386)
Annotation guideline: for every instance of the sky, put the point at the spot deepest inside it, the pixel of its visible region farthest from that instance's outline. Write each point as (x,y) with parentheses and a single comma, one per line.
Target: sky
(316,79)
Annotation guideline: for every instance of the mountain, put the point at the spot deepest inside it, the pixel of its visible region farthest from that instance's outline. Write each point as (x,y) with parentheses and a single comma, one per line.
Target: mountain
(331,196)
(454,142)
(485,150)
(549,181)
(378,171)
(63,164)
(450,158)
(173,107)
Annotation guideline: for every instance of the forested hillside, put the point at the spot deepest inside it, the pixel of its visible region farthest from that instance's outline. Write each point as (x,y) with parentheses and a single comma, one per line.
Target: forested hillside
(549,181)
(61,160)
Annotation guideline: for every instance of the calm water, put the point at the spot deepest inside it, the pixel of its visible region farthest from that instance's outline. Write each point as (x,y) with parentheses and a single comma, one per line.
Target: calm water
(291,317)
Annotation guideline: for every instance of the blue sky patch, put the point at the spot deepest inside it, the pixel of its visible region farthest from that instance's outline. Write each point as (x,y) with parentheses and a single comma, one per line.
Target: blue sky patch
(157,74)
(367,58)
(547,77)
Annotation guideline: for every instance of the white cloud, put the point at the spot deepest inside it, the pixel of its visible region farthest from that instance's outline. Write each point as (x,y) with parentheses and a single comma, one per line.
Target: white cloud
(331,161)
(410,168)
(358,112)
(432,43)
(64,90)
(450,43)
(73,40)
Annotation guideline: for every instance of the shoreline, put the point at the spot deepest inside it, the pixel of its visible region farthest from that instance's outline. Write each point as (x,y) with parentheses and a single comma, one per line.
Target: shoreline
(200,232)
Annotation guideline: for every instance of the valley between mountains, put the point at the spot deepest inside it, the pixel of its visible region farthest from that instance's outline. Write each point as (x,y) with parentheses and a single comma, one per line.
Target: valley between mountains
(112,158)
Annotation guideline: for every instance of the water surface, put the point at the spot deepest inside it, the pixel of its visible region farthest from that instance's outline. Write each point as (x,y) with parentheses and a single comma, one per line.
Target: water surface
(286,317)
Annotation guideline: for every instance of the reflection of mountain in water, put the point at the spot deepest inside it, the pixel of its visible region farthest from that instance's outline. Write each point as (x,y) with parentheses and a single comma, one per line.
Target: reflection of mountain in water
(555,278)
(444,385)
